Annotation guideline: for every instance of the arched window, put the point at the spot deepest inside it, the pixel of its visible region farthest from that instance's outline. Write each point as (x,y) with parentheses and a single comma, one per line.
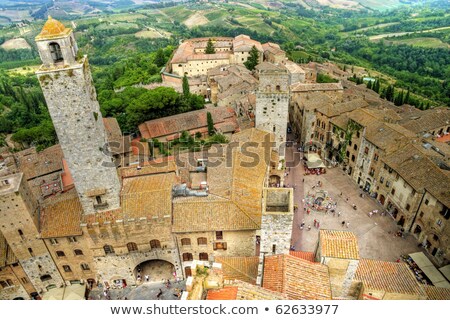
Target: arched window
(155,244)
(202,241)
(46,277)
(278,88)
(84,266)
(78,252)
(203,256)
(55,51)
(20,232)
(60,253)
(187,256)
(185,242)
(132,247)
(67,268)
(108,249)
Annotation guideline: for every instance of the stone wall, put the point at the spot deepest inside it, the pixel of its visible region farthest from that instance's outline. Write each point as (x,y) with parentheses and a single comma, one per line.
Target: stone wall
(16,289)
(276,227)
(238,244)
(39,266)
(118,234)
(71,99)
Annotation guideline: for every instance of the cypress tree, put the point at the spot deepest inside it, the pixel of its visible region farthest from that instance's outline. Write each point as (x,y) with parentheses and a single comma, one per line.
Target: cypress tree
(407,98)
(186,92)
(210,122)
(210,47)
(160,59)
(253,59)
(369,84)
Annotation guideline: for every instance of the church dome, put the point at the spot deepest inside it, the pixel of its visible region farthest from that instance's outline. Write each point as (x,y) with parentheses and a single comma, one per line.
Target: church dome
(52,29)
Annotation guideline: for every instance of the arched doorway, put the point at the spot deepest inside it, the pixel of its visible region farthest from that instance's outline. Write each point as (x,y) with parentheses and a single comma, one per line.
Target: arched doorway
(274,180)
(382,199)
(401,221)
(156,270)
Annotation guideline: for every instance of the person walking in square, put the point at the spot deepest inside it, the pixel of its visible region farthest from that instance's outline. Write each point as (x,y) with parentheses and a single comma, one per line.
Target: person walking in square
(343,223)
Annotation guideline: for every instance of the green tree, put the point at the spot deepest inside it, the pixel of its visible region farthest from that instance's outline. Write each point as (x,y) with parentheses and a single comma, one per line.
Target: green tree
(210,47)
(160,59)
(407,98)
(253,59)
(210,122)
(369,84)
(186,91)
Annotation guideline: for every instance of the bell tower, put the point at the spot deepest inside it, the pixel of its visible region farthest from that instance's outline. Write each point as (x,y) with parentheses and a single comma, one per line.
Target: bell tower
(66,81)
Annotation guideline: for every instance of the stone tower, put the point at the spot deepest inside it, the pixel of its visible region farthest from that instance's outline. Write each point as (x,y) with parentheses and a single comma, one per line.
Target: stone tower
(272,102)
(69,92)
(19,221)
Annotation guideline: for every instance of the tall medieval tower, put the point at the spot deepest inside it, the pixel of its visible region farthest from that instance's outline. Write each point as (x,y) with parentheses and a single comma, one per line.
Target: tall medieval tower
(272,102)
(69,92)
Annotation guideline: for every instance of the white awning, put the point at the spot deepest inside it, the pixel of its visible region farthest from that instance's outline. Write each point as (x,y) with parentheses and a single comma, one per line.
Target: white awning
(429,269)
(72,292)
(313,161)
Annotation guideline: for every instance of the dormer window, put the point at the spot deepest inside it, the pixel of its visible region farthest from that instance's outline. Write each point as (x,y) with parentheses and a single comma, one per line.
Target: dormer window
(55,51)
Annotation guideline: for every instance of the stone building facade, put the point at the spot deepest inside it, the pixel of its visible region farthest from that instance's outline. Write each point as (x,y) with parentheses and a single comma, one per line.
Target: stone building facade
(21,233)
(68,89)
(272,102)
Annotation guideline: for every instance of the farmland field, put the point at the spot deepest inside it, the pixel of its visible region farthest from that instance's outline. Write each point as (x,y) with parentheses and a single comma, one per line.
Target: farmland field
(19,43)
(422,42)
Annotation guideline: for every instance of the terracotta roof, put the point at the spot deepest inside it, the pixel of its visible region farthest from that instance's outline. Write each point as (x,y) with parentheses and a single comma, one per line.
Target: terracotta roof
(52,29)
(109,216)
(239,268)
(147,196)
(7,256)
(310,87)
(420,172)
(243,43)
(247,291)
(226,293)
(160,165)
(338,244)
(293,67)
(186,50)
(66,176)
(61,216)
(240,290)
(35,164)
(308,256)
(273,48)
(297,278)
(193,214)
(332,110)
(270,66)
(235,189)
(118,143)
(429,120)
(185,122)
(437,293)
(391,277)
(386,136)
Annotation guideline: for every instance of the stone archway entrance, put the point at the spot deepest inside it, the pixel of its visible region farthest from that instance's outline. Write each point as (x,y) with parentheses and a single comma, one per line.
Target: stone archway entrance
(156,270)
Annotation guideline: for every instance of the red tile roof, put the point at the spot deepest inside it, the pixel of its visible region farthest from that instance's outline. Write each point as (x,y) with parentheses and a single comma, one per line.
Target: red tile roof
(226,293)
(297,278)
(338,244)
(187,121)
(308,256)
(391,277)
